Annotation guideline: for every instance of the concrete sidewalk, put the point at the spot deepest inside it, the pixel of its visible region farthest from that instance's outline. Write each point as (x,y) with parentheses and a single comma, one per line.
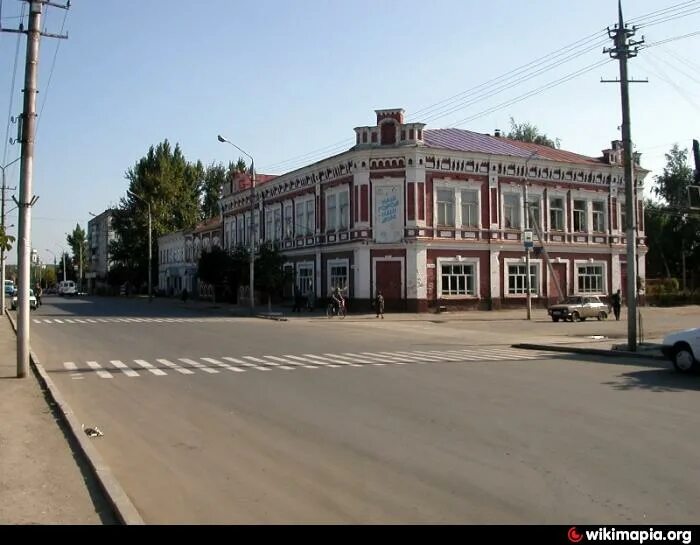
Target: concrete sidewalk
(43,478)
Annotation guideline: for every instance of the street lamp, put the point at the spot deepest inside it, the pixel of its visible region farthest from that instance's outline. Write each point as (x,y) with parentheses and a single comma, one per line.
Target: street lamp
(252,221)
(150,246)
(2,222)
(528,244)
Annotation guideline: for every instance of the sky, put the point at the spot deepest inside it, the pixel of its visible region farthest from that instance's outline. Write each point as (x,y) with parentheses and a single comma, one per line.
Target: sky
(289,80)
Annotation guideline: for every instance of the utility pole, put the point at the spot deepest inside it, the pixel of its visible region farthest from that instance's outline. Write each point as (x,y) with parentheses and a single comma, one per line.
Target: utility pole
(3,189)
(528,243)
(27,132)
(626,49)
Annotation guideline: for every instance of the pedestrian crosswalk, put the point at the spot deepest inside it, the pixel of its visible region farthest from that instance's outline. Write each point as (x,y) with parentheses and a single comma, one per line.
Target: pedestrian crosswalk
(161,367)
(130,320)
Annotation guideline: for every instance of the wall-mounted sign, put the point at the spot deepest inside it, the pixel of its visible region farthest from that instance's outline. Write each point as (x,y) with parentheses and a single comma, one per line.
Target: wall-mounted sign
(388,213)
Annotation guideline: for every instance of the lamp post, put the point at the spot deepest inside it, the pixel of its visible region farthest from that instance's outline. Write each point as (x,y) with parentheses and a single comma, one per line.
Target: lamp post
(150,245)
(2,223)
(528,244)
(252,221)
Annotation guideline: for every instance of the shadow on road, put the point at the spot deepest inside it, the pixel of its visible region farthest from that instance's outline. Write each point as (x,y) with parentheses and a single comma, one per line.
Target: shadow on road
(656,380)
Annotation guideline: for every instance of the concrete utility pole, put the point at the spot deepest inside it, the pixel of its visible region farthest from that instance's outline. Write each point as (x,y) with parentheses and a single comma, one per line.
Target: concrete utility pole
(626,49)
(3,189)
(527,228)
(27,133)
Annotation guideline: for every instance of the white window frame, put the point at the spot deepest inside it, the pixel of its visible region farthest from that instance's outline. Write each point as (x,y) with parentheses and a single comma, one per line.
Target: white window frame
(473,261)
(288,219)
(477,207)
(269,233)
(457,187)
(537,263)
(538,198)
(277,221)
(305,265)
(517,208)
(574,210)
(604,215)
(300,204)
(339,262)
(438,204)
(587,263)
(562,196)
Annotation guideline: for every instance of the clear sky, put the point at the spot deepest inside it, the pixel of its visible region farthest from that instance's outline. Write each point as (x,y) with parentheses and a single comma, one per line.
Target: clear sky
(287,78)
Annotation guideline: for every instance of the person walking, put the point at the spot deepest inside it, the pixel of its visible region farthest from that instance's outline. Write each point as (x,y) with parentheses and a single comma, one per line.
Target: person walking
(297,299)
(379,304)
(616,304)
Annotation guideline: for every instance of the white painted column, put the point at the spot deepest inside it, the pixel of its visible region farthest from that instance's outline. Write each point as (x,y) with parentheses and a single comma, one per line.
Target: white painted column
(362,273)
(615,272)
(317,275)
(495,280)
(642,270)
(421,273)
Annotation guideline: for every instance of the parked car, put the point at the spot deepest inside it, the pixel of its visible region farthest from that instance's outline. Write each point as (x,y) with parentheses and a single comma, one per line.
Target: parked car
(33,305)
(579,308)
(683,349)
(9,288)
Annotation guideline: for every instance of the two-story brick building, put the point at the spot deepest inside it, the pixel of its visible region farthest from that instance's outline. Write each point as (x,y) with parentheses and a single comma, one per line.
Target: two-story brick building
(436,216)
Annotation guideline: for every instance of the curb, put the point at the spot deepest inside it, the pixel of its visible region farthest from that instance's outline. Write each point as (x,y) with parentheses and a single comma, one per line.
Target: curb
(271,317)
(593,351)
(121,504)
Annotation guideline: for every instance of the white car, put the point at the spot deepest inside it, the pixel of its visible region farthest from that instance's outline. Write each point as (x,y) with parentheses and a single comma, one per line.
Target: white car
(32,301)
(67,287)
(683,349)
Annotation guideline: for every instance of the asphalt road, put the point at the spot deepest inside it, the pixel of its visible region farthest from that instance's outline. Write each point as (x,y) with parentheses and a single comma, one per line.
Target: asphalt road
(210,418)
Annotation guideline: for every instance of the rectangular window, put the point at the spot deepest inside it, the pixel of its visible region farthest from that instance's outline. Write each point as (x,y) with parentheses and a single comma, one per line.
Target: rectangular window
(300,227)
(517,279)
(339,277)
(623,218)
(445,207)
(470,208)
(268,225)
(580,216)
(599,216)
(344,210)
(590,278)
(511,211)
(310,216)
(288,221)
(533,213)
(556,214)
(331,201)
(457,279)
(305,279)
(278,222)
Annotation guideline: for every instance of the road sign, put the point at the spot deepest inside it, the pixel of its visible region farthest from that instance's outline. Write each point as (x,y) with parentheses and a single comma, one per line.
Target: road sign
(527,239)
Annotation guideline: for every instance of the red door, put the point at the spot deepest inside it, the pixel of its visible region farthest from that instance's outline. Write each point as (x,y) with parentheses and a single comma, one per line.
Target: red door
(560,276)
(388,281)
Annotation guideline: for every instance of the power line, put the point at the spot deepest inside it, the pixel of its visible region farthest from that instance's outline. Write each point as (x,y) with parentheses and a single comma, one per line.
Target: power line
(12,96)
(674,67)
(53,65)
(680,15)
(672,39)
(658,12)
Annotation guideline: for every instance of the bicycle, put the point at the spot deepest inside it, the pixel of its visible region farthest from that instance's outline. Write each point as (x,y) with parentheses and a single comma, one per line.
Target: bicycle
(331,311)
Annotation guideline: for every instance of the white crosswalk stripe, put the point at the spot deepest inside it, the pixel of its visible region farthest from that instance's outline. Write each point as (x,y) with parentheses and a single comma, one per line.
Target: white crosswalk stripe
(150,368)
(289,362)
(123,368)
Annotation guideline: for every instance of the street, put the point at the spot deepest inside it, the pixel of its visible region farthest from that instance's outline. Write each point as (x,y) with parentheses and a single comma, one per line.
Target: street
(213,418)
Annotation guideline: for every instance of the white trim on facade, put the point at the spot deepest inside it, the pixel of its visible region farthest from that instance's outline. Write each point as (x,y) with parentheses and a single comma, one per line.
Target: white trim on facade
(458,260)
(590,262)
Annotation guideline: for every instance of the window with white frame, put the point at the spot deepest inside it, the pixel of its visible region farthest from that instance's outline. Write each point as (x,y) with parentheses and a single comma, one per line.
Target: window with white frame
(598,216)
(470,208)
(580,216)
(331,215)
(240,227)
(623,217)
(343,210)
(305,278)
(310,216)
(268,225)
(511,211)
(277,222)
(337,276)
(446,207)
(300,227)
(288,221)
(556,214)
(457,279)
(533,203)
(590,278)
(517,279)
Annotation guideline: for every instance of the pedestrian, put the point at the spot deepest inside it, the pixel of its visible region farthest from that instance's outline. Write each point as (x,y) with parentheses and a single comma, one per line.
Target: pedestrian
(184,295)
(38,292)
(297,300)
(311,301)
(616,304)
(379,304)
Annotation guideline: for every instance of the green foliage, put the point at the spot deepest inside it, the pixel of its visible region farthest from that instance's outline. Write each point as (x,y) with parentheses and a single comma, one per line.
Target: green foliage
(78,244)
(5,240)
(527,132)
(269,271)
(672,185)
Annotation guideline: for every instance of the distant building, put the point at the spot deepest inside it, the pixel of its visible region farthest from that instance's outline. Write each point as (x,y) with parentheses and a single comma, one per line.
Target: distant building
(436,217)
(99,236)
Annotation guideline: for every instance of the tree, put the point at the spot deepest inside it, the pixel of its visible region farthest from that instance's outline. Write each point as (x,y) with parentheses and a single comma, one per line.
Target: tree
(269,271)
(70,269)
(527,132)
(49,276)
(672,185)
(5,240)
(78,244)
(214,267)
(171,185)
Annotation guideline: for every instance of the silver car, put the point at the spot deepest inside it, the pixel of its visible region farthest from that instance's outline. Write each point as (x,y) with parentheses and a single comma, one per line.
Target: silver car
(578,308)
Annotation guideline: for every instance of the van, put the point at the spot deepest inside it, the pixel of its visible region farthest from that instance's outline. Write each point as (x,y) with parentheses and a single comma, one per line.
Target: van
(67,287)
